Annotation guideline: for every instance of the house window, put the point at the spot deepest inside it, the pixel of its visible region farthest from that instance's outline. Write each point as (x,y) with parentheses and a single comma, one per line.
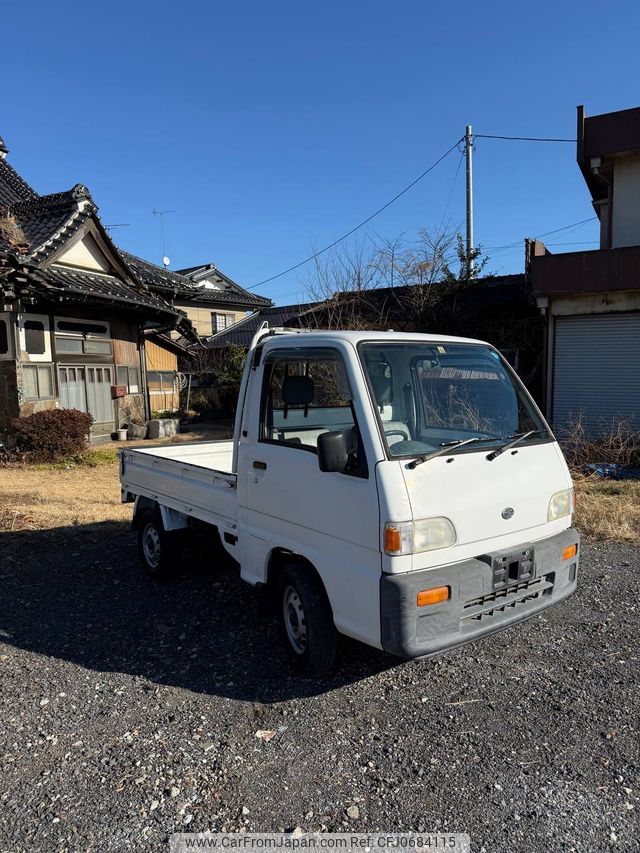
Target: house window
(97,347)
(82,337)
(129,377)
(161,379)
(81,327)
(69,345)
(219,322)
(34,337)
(37,381)
(5,349)
(161,385)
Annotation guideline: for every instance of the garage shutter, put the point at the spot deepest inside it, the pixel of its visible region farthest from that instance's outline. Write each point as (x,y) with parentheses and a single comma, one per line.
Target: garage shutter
(596,369)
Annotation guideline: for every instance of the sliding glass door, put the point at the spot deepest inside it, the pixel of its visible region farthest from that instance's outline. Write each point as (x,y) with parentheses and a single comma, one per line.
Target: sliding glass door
(88,389)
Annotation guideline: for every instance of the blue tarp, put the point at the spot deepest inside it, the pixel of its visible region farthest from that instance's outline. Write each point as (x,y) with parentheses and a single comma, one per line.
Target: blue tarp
(613,471)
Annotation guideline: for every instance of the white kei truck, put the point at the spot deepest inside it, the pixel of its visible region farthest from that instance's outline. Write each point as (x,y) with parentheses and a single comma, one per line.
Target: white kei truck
(402,489)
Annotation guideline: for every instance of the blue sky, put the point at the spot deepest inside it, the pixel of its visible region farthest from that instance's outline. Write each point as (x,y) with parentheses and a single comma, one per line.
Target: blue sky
(272,128)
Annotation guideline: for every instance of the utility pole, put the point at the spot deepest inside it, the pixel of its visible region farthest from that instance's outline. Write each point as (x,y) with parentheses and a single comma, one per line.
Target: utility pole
(468,150)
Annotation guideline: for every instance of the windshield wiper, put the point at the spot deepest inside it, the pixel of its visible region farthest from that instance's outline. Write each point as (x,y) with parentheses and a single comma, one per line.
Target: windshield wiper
(515,439)
(445,448)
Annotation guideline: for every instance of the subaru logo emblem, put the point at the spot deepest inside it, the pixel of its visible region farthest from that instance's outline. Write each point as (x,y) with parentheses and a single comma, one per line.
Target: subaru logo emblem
(507,513)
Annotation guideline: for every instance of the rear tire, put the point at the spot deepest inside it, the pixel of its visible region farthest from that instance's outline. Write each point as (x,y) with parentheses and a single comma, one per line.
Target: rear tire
(158,549)
(306,619)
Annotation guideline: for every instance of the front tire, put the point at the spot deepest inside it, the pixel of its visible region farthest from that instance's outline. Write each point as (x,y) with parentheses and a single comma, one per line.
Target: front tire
(157,548)
(306,619)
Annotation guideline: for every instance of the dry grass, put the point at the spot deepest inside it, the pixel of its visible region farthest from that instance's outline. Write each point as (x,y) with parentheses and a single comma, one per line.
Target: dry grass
(617,442)
(605,509)
(12,232)
(84,490)
(608,509)
(51,497)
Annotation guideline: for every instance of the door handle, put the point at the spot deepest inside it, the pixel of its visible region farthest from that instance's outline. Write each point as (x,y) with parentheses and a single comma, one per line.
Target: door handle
(261,466)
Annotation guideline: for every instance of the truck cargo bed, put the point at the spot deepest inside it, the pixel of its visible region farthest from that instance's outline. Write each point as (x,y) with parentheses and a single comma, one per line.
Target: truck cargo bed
(194,479)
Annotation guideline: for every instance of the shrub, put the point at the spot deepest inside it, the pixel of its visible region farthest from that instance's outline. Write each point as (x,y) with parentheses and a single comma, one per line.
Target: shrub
(165,413)
(615,442)
(230,375)
(51,435)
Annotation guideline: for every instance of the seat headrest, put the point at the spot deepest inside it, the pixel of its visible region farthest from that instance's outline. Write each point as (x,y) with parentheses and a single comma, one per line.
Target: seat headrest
(298,390)
(381,389)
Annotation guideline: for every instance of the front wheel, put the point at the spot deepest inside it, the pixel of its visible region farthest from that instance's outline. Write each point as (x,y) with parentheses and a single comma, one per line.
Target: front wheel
(306,619)
(157,548)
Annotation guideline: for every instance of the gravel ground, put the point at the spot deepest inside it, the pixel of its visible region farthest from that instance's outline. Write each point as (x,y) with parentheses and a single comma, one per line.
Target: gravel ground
(129,710)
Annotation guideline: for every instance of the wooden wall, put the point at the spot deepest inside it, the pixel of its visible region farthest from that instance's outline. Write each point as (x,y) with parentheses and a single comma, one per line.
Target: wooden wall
(161,360)
(125,343)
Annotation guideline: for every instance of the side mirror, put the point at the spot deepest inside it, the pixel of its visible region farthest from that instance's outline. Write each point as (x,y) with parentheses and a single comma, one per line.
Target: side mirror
(333,451)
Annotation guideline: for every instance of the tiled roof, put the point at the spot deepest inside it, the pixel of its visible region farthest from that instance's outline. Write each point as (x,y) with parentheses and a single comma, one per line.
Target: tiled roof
(13,188)
(99,286)
(58,282)
(240,298)
(190,270)
(159,278)
(231,291)
(47,221)
(242,333)
(34,228)
(181,286)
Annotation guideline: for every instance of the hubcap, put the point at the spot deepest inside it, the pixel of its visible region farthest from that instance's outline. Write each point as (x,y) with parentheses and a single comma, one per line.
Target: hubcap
(151,546)
(294,620)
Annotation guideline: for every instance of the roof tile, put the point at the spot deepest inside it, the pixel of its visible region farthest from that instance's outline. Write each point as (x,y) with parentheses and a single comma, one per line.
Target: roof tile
(13,188)
(179,285)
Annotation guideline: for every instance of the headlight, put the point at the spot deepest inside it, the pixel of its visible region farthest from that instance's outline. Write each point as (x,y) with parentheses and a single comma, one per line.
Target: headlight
(414,537)
(560,505)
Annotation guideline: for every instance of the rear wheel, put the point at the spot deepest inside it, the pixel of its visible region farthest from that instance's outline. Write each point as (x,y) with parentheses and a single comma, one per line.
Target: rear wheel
(306,619)
(158,549)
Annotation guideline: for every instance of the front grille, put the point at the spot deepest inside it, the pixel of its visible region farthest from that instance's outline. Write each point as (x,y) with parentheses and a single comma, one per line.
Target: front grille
(500,603)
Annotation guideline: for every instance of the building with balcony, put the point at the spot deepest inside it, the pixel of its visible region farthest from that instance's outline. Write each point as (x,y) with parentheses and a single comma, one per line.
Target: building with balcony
(591,299)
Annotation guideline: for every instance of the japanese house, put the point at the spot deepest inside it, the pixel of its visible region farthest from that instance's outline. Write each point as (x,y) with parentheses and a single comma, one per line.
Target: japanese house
(79,328)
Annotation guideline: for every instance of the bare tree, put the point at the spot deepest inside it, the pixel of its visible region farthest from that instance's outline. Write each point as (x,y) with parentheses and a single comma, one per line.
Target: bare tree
(364,285)
(342,283)
(419,268)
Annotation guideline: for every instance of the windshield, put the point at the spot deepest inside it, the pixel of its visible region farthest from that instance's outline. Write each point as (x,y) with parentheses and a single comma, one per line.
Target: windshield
(431,395)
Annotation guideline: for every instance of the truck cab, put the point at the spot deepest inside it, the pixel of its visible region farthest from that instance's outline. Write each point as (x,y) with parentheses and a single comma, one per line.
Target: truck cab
(401,489)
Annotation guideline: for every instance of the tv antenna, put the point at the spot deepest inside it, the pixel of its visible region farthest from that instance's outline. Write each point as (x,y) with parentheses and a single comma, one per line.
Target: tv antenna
(160,214)
(117,225)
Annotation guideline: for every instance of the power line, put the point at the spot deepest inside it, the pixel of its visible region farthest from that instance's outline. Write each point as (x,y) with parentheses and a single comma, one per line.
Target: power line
(361,224)
(545,234)
(522,138)
(453,186)
(577,243)
(567,227)
(412,184)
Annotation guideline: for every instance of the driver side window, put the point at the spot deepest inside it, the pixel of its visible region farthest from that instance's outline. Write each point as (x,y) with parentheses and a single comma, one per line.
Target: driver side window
(304,397)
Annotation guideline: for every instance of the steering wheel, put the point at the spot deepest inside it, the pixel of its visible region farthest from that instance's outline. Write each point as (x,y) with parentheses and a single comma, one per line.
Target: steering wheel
(399,432)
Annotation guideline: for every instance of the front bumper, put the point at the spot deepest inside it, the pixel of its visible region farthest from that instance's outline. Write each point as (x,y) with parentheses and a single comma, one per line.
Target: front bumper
(479,603)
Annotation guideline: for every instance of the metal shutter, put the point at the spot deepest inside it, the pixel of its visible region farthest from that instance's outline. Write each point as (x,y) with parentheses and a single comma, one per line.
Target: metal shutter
(596,369)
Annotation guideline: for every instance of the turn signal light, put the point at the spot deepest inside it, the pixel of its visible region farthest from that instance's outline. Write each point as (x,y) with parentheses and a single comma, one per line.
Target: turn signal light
(569,552)
(432,596)
(392,540)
